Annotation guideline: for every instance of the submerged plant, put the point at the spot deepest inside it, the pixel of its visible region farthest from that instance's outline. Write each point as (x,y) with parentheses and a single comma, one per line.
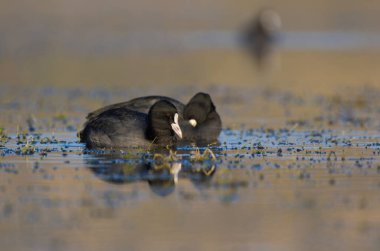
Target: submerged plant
(21,136)
(3,137)
(28,148)
(47,140)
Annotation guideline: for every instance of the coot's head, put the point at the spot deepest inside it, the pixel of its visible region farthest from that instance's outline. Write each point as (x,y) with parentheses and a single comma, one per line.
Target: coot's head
(198,109)
(163,125)
(201,114)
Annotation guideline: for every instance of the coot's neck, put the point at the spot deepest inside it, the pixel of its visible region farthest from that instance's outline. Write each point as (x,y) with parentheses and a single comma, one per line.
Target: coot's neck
(160,136)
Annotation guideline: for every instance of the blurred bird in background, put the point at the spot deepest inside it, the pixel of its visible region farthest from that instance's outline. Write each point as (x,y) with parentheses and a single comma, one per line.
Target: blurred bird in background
(260,35)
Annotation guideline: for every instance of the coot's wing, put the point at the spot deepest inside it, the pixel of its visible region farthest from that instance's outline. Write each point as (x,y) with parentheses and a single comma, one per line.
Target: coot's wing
(141,104)
(118,127)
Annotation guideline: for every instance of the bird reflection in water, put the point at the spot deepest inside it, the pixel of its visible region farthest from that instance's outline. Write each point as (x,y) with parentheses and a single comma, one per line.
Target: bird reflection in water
(161,171)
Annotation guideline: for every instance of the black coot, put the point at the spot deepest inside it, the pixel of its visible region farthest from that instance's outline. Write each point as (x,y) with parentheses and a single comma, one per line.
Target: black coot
(197,121)
(205,122)
(124,127)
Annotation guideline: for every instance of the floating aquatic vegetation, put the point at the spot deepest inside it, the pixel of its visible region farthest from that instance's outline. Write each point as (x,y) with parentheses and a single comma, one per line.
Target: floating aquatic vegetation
(22,136)
(26,150)
(47,140)
(3,137)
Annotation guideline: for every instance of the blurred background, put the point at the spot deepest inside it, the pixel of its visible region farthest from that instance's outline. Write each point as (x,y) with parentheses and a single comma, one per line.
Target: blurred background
(129,43)
(84,54)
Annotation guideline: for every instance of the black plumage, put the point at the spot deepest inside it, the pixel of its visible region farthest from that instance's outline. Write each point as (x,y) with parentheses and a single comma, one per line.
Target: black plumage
(148,120)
